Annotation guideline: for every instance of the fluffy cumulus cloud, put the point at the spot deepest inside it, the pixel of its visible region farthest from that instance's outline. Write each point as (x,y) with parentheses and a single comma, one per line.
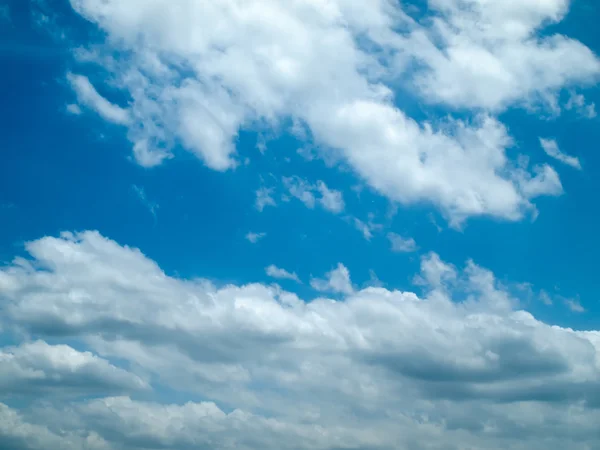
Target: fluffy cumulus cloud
(198,73)
(458,366)
(336,281)
(490,54)
(36,367)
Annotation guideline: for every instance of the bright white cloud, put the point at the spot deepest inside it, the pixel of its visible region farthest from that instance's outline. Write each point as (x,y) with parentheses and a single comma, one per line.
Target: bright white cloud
(282,274)
(488,54)
(551,148)
(401,244)
(89,96)
(378,369)
(258,63)
(254,237)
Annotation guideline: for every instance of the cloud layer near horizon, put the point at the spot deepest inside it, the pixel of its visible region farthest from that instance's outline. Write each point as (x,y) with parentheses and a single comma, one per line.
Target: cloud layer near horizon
(461,366)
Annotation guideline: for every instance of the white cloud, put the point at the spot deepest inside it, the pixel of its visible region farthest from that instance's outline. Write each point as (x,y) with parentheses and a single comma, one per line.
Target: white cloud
(300,189)
(401,244)
(311,194)
(336,281)
(488,54)
(545,181)
(364,228)
(17,433)
(574,305)
(460,366)
(545,298)
(435,272)
(254,237)
(277,272)
(74,109)
(331,199)
(259,63)
(39,368)
(367,228)
(89,96)
(551,148)
(264,198)
(578,104)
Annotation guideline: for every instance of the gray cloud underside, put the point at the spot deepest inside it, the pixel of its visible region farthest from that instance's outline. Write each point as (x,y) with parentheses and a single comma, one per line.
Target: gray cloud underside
(263,369)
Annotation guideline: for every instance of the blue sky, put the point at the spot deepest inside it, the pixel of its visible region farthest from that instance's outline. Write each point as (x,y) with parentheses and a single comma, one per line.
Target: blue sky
(419,125)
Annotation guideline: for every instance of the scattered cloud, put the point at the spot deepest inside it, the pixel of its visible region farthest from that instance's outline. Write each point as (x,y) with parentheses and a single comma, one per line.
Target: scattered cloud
(545,298)
(141,195)
(378,369)
(336,281)
(578,104)
(89,96)
(74,109)
(282,274)
(551,148)
(331,199)
(300,189)
(313,194)
(473,56)
(254,237)
(367,228)
(401,244)
(264,198)
(574,305)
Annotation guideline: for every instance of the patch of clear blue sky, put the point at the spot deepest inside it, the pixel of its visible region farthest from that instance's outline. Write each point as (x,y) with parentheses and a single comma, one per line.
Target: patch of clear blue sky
(62,172)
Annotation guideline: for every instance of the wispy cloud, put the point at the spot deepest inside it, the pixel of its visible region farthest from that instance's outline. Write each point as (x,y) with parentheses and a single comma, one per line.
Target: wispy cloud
(89,96)
(141,195)
(254,237)
(264,198)
(574,305)
(401,244)
(550,146)
(312,194)
(279,273)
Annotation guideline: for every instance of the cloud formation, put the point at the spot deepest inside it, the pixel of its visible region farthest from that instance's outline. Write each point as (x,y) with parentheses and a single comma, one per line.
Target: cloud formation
(329,67)
(401,244)
(551,148)
(376,369)
(282,274)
